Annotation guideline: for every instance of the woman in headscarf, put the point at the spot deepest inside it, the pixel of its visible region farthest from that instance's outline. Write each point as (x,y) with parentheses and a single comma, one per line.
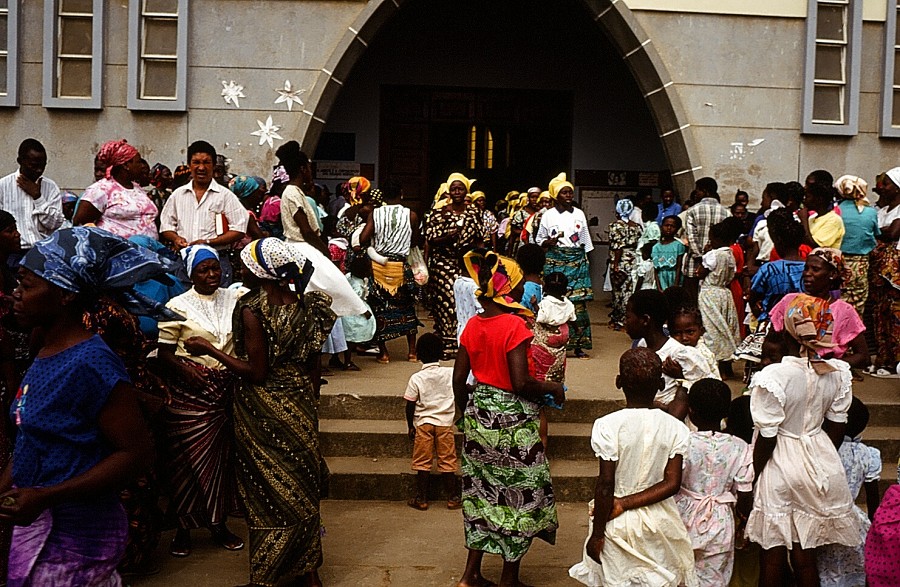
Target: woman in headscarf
(563,232)
(623,238)
(391,231)
(488,220)
(884,276)
(450,233)
(860,229)
(250,191)
(507,492)
(520,216)
(533,223)
(279,331)
(161,185)
(822,277)
(198,431)
(116,203)
(81,435)
(181,176)
(799,408)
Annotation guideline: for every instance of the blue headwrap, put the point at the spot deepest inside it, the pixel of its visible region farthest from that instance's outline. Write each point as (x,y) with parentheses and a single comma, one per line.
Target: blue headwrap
(92,261)
(624,208)
(68,197)
(196,254)
(244,186)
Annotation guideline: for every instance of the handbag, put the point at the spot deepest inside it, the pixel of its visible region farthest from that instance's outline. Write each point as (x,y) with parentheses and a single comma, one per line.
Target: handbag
(417,264)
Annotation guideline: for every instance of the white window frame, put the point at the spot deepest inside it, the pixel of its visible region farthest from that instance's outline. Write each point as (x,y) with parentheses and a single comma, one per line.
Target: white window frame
(136,18)
(11,97)
(51,33)
(891,49)
(850,125)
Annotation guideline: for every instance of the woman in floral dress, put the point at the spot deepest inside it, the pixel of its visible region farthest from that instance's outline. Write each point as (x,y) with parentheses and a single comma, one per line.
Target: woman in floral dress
(623,239)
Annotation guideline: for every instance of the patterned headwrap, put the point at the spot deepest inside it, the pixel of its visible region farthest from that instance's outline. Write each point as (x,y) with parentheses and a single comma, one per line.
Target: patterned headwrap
(557,184)
(833,257)
(261,182)
(853,188)
(196,254)
(505,276)
(809,321)
(243,186)
(270,258)
(279,175)
(114,153)
(92,261)
(68,197)
(356,187)
(156,175)
(624,208)
(181,175)
(460,178)
(376,196)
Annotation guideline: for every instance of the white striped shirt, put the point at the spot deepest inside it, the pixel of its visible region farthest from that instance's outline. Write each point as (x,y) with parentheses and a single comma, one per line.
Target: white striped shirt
(196,220)
(35,219)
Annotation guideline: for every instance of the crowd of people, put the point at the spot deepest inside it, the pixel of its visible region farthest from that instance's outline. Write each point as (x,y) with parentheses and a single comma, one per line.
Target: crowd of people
(164,338)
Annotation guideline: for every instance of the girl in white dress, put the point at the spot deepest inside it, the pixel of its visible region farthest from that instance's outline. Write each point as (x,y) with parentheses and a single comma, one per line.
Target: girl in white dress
(799,408)
(635,535)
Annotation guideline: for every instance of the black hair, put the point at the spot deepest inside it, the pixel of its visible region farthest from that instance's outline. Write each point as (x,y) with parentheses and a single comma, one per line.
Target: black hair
(821,177)
(779,338)
(651,303)
(740,421)
(708,185)
(292,158)
(429,348)
(678,297)
(733,229)
(531,258)
(686,310)
(724,231)
(785,232)
(857,418)
(649,211)
(740,192)
(329,224)
(676,219)
(556,284)
(29,145)
(794,191)
(640,372)
(201,147)
(391,188)
(709,400)
(778,191)
(736,204)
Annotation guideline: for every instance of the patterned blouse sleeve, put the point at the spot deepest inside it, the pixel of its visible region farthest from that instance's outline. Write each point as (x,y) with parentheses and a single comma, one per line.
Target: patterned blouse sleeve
(743,477)
(873,467)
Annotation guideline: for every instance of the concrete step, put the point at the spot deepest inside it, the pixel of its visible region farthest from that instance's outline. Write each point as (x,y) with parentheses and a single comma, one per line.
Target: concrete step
(393,479)
(373,405)
(567,440)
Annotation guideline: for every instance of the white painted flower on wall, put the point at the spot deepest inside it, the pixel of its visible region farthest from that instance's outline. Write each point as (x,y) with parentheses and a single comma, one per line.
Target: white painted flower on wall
(267,132)
(232,93)
(288,95)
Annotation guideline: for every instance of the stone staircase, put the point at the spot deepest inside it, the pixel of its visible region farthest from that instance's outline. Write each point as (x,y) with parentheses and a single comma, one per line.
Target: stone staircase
(365,442)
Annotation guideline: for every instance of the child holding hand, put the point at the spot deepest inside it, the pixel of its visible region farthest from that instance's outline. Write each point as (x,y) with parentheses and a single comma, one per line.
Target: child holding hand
(430,410)
(636,536)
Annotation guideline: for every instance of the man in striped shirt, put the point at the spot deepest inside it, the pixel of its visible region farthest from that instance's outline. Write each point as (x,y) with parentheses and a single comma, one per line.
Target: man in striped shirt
(699,219)
(32,199)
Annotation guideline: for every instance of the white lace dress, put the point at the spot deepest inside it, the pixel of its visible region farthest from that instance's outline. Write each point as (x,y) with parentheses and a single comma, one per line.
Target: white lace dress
(802,494)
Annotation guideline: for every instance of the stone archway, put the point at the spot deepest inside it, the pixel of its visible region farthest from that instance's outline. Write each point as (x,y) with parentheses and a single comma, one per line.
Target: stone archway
(613,18)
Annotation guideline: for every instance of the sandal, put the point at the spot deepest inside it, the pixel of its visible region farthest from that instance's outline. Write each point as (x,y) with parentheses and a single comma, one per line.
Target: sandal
(225,538)
(415,504)
(384,360)
(181,544)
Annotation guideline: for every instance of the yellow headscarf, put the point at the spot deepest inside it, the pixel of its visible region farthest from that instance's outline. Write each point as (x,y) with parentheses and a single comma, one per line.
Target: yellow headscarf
(548,195)
(505,275)
(512,196)
(358,186)
(478,196)
(557,184)
(462,178)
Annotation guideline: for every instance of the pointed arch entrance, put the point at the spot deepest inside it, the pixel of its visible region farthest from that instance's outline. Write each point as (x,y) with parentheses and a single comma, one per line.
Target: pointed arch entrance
(611,17)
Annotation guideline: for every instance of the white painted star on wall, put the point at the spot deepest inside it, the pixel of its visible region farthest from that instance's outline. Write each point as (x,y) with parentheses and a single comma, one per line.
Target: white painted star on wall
(288,95)
(232,93)
(267,132)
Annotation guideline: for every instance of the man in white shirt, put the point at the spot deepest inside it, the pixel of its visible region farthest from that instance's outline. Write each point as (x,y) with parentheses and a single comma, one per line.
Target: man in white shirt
(203,211)
(32,199)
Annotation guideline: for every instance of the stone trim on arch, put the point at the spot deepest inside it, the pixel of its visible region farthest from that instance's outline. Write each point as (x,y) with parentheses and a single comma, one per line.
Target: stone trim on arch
(613,17)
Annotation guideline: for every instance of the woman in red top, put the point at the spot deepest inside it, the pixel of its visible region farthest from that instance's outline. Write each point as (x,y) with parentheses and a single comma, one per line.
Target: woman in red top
(507,492)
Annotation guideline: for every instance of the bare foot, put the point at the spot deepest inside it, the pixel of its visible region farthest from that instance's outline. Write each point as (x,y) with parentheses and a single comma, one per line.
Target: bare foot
(476,582)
